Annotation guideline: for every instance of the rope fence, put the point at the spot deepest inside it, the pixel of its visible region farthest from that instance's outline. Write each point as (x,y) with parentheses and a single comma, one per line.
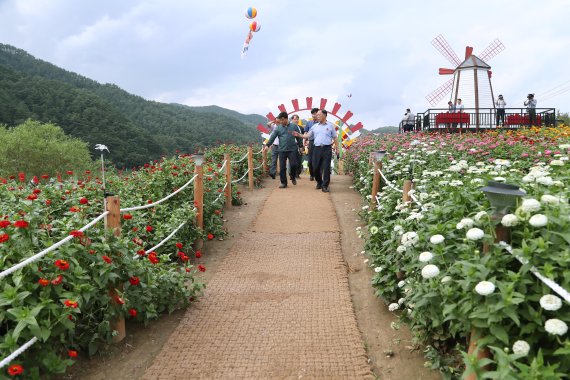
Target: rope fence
(246,173)
(164,240)
(240,160)
(17,353)
(390,184)
(221,193)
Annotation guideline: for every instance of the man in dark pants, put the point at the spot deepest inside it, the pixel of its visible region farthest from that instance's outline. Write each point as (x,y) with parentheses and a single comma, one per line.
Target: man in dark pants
(310,142)
(288,147)
(295,121)
(324,134)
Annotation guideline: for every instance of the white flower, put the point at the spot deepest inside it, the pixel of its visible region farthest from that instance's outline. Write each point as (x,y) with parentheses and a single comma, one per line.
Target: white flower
(485,288)
(480,215)
(550,302)
(436,239)
(538,220)
(550,199)
(378,269)
(401,301)
(556,163)
(564,146)
(527,178)
(401,284)
(410,239)
(510,220)
(425,257)
(401,249)
(365,207)
(445,279)
(530,205)
(467,222)
(373,230)
(430,271)
(475,234)
(499,179)
(456,183)
(398,228)
(555,327)
(521,347)
(393,306)
(547,181)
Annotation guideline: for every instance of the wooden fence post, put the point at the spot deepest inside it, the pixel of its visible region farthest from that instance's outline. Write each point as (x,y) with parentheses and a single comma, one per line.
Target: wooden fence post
(375,183)
(408,185)
(250,166)
(199,195)
(228,194)
(113,222)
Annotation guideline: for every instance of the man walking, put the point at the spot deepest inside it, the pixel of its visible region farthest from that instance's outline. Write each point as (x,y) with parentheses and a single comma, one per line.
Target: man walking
(288,147)
(324,135)
(310,143)
(274,150)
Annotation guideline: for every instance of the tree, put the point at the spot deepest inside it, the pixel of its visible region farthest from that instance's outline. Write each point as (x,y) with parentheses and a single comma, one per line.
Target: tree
(35,149)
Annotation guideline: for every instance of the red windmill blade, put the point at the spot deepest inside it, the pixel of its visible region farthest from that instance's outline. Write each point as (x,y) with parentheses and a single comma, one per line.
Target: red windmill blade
(439,93)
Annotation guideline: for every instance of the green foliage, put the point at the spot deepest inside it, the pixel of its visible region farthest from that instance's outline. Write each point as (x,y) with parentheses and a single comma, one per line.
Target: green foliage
(36,149)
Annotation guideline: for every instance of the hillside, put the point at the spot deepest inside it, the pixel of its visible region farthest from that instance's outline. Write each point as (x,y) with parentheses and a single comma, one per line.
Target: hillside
(380,130)
(135,130)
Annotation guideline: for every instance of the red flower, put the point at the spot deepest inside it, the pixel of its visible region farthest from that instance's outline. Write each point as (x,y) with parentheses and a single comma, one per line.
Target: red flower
(62,264)
(184,257)
(76,233)
(22,177)
(198,254)
(92,252)
(15,370)
(201,268)
(32,197)
(127,216)
(133,312)
(107,259)
(135,229)
(217,212)
(178,245)
(4,223)
(119,300)
(83,201)
(43,281)
(149,228)
(74,209)
(48,202)
(141,252)
(70,303)
(152,258)
(36,191)
(87,171)
(57,280)
(187,270)
(134,280)
(21,224)
(72,353)
(210,237)
(69,172)
(45,176)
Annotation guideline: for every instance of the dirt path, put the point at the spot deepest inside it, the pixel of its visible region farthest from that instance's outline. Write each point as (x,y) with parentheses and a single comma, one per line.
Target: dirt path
(390,352)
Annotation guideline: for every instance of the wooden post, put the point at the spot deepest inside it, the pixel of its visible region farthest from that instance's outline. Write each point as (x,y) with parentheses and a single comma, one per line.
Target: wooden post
(375,183)
(228,190)
(264,161)
(250,166)
(341,167)
(408,185)
(199,195)
(113,222)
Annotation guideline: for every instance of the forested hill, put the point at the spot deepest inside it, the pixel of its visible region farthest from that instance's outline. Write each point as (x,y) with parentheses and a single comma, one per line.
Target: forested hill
(135,130)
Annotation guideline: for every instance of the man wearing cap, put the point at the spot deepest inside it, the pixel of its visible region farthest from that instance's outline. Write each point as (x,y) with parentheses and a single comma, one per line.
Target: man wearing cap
(408,121)
(500,105)
(530,104)
(288,146)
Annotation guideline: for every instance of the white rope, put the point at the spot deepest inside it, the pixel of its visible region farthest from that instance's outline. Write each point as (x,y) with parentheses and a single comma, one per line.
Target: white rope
(49,249)
(243,158)
(378,205)
(223,166)
(16,353)
(165,239)
(259,167)
(160,201)
(415,200)
(221,193)
(390,185)
(261,150)
(237,180)
(550,283)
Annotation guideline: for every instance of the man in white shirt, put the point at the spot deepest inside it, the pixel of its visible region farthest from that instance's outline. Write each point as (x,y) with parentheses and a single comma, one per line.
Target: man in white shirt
(500,105)
(408,121)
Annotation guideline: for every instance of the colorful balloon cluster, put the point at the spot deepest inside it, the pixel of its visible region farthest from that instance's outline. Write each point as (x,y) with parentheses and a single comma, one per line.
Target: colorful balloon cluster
(250,13)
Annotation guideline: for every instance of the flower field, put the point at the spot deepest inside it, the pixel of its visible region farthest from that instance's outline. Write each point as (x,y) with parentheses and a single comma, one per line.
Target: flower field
(436,259)
(69,298)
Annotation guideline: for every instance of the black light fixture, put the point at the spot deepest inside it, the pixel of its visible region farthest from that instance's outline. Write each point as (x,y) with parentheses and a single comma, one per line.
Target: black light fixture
(198,159)
(379,155)
(502,196)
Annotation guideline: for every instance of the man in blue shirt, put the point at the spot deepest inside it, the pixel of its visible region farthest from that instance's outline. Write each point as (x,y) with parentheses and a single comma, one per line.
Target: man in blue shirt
(310,142)
(288,147)
(324,135)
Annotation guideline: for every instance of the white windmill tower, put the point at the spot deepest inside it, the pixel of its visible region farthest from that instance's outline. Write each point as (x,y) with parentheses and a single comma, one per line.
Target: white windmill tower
(471,80)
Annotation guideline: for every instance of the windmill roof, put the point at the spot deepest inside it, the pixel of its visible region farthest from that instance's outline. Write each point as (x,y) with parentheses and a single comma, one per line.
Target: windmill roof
(473,61)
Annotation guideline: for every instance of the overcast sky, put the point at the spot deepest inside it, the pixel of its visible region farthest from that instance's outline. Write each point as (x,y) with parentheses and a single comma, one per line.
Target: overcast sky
(188,51)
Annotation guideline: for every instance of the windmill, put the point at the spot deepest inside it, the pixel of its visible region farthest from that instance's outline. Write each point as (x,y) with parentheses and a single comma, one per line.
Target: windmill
(471,80)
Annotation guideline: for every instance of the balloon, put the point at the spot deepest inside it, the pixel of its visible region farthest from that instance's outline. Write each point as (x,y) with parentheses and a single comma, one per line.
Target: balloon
(255,26)
(251,12)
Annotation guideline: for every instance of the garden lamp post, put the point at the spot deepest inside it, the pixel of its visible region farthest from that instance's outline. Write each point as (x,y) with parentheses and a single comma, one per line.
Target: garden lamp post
(378,156)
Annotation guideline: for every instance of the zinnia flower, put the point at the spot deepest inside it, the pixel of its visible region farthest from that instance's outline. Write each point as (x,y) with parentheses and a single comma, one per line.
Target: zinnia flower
(521,347)
(475,234)
(378,269)
(555,327)
(530,205)
(21,224)
(72,353)
(134,280)
(430,271)
(76,233)
(4,223)
(83,201)
(410,239)
(393,307)
(436,239)
(538,220)
(43,281)
(62,264)
(179,245)
(485,288)
(70,303)
(127,216)
(550,199)
(510,220)
(149,228)
(201,268)
(373,230)
(425,257)
(210,236)
(198,254)
(57,280)
(15,369)
(550,302)
(133,312)
(4,238)
(445,279)
(107,259)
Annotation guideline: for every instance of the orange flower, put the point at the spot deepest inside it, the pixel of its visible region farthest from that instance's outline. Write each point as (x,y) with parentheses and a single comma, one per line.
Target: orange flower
(43,281)
(71,304)
(62,264)
(15,369)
